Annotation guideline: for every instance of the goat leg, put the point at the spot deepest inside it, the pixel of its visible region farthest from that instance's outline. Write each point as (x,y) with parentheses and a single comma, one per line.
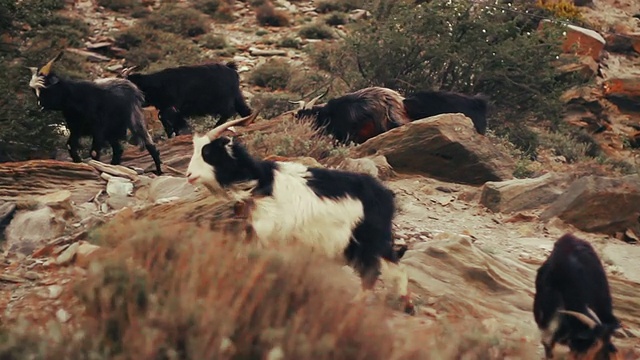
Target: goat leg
(72,146)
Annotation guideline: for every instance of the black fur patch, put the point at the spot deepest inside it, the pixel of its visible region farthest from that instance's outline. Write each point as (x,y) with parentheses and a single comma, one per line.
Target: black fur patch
(239,167)
(423,104)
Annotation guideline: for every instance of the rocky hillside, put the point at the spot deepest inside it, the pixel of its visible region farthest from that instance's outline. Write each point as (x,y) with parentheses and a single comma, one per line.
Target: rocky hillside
(102,259)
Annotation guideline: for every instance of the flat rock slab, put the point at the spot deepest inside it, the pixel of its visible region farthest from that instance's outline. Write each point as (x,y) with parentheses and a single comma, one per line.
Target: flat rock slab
(27,179)
(522,194)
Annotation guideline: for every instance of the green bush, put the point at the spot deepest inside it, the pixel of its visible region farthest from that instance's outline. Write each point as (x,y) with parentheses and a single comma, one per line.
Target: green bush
(327,6)
(218,9)
(119,5)
(289,42)
(25,131)
(273,105)
(186,22)
(273,74)
(213,41)
(316,31)
(458,46)
(156,49)
(336,18)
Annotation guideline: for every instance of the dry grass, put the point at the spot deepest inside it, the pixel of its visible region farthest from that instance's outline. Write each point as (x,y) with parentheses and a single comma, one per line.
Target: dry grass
(168,291)
(267,15)
(287,136)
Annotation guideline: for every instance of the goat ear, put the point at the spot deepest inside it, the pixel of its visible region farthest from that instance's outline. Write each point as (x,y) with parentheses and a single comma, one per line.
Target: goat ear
(53,80)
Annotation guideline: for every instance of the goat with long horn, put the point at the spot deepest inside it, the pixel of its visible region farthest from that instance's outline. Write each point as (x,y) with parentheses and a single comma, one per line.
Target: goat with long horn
(572,304)
(345,216)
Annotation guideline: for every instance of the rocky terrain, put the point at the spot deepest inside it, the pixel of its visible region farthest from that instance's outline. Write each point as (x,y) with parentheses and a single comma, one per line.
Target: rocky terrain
(476,234)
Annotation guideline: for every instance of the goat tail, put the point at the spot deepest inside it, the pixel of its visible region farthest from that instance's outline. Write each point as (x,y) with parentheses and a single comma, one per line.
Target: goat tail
(137,124)
(241,105)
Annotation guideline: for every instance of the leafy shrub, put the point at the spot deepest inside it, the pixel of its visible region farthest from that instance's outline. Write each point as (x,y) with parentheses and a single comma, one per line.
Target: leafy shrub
(186,22)
(156,49)
(289,42)
(25,131)
(267,15)
(119,5)
(221,10)
(213,41)
(327,6)
(471,49)
(562,9)
(273,105)
(316,31)
(273,74)
(336,18)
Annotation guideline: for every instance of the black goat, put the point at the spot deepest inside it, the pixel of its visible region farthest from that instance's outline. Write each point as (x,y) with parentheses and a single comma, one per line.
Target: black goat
(184,91)
(423,104)
(572,304)
(103,109)
(357,116)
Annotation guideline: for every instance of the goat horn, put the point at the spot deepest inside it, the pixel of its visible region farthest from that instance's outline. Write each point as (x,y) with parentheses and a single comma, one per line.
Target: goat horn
(582,317)
(594,316)
(127,71)
(313,101)
(45,70)
(214,133)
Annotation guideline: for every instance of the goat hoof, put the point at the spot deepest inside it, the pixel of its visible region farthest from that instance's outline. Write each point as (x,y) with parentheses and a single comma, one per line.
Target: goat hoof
(409,307)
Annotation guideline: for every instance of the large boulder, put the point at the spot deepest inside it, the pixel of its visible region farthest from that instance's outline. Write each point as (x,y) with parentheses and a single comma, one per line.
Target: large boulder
(444,146)
(581,41)
(599,204)
(522,194)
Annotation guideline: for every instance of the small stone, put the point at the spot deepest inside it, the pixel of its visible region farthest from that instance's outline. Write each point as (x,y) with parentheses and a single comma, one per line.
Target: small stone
(54,291)
(31,275)
(67,255)
(62,315)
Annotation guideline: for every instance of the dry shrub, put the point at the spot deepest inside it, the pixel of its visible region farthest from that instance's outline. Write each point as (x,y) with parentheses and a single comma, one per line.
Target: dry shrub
(185,22)
(291,137)
(273,74)
(179,291)
(316,31)
(267,15)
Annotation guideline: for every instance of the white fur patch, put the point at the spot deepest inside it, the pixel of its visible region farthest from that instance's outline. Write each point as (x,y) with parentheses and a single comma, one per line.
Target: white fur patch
(296,214)
(199,172)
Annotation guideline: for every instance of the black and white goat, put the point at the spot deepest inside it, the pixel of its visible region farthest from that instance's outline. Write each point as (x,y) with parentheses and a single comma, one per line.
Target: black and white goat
(357,116)
(343,215)
(196,90)
(572,304)
(423,104)
(103,109)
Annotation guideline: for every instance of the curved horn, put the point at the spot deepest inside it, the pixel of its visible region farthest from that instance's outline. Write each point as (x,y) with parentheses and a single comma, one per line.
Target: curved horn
(46,69)
(313,101)
(127,71)
(594,316)
(582,317)
(214,133)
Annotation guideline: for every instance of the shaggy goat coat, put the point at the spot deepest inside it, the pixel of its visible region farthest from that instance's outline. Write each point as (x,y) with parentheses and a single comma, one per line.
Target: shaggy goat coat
(573,279)
(102,109)
(344,215)
(197,90)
